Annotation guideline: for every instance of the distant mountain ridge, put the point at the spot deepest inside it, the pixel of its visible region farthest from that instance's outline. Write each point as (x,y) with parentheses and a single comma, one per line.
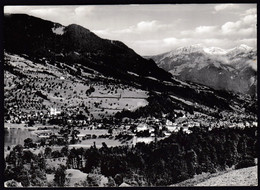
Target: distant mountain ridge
(233,69)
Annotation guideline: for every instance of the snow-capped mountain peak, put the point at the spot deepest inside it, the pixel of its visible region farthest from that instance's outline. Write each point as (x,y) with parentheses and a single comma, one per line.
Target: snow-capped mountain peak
(189,49)
(215,51)
(239,49)
(210,50)
(197,48)
(245,47)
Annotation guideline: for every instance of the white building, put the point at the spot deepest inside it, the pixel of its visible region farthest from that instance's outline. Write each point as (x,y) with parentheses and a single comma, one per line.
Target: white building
(146,140)
(54,111)
(144,127)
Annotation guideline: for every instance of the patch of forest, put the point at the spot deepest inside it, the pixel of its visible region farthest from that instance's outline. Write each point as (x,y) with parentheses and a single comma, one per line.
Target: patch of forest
(166,162)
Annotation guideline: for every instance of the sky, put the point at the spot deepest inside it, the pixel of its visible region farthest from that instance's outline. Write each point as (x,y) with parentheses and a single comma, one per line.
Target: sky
(155,29)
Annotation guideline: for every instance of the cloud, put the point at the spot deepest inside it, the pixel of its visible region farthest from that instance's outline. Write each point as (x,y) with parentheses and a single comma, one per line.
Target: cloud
(153,47)
(105,32)
(205,29)
(230,27)
(46,11)
(130,29)
(176,41)
(53,13)
(202,32)
(84,10)
(249,19)
(170,40)
(147,25)
(16,9)
(152,30)
(251,11)
(62,14)
(252,42)
(245,27)
(143,26)
(222,7)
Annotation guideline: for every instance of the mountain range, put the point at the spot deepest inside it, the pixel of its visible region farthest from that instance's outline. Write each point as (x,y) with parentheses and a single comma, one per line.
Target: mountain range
(232,70)
(69,67)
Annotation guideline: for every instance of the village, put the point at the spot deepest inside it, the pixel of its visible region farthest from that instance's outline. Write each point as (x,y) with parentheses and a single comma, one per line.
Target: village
(82,131)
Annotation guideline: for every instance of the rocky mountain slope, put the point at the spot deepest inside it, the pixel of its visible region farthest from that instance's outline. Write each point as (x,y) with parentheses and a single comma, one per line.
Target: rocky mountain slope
(233,70)
(48,65)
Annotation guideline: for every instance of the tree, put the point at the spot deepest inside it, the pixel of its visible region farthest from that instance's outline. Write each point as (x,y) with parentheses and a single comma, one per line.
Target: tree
(28,143)
(47,151)
(27,156)
(118,179)
(86,110)
(60,176)
(247,161)
(111,182)
(78,72)
(65,151)
(15,156)
(53,139)
(110,131)
(104,146)
(23,176)
(80,116)
(65,133)
(9,173)
(42,142)
(74,136)
(93,180)
(41,163)
(31,123)
(56,154)
(38,176)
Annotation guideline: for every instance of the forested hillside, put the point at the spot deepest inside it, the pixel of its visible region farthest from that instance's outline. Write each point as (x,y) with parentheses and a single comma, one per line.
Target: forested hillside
(162,163)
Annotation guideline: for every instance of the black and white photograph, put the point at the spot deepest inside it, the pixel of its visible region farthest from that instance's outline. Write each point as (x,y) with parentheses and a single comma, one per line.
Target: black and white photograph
(130,95)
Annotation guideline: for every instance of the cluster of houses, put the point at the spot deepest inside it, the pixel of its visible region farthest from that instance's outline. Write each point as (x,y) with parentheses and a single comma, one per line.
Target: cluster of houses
(130,126)
(23,117)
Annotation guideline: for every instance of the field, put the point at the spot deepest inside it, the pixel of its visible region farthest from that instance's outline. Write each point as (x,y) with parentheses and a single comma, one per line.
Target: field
(75,176)
(90,142)
(241,177)
(229,177)
(56,87)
